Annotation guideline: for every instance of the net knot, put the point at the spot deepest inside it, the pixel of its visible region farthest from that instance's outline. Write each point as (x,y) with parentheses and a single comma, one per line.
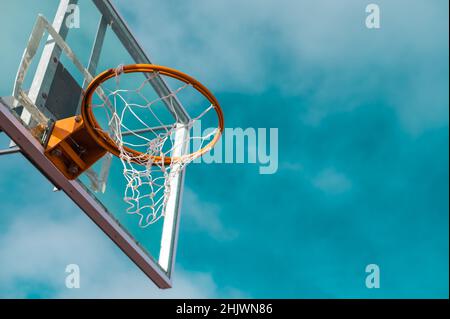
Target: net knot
(119,70)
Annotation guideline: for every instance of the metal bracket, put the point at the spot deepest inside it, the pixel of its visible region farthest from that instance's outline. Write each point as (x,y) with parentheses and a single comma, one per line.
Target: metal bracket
(11,150)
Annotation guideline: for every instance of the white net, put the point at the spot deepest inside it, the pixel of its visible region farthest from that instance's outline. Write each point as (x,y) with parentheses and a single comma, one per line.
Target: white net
(141,120)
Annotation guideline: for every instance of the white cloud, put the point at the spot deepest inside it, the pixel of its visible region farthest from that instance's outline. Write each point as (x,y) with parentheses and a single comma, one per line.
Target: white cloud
(200,214)
(332,182)
(124,283)
(37,246)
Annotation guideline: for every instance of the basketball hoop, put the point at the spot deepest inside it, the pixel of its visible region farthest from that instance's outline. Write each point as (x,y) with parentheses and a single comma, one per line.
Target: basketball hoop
(102,138)
(149,174)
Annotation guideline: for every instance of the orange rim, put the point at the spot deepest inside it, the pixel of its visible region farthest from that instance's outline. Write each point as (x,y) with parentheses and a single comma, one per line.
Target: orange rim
(101,138)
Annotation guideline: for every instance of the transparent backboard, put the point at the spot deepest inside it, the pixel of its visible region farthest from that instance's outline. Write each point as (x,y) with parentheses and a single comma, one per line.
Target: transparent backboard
(63,54)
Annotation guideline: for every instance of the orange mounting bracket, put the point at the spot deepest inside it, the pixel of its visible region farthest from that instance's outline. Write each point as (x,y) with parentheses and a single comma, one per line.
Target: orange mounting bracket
(70,147)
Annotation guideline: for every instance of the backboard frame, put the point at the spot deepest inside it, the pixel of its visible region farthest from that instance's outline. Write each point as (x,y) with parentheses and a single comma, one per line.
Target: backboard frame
(159,271)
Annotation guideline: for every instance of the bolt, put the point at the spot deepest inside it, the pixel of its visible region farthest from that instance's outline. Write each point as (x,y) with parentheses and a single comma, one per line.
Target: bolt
(82,150)
(44,95)
(56,152)
(78,119)
(73,169)
(55,60)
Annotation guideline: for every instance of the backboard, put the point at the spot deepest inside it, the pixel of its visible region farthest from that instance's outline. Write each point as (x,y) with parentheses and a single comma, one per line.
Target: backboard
(62,56)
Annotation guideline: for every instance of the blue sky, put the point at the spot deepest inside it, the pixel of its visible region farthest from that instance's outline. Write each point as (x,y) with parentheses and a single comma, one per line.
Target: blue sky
(363,157)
